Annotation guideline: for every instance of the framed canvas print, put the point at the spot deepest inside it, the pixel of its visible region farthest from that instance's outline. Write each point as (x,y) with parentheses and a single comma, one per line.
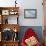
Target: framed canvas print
(30,13)
(5,12)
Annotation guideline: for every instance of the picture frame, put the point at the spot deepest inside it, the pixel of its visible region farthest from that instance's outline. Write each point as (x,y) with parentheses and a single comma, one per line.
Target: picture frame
(30,13)
(5,12)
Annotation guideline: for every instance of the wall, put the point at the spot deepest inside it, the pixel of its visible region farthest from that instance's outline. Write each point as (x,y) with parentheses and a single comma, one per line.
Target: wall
(27,4)
(33,4)
(7,3)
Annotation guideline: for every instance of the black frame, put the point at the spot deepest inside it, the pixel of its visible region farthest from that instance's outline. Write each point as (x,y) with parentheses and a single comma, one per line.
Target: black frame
(34,10)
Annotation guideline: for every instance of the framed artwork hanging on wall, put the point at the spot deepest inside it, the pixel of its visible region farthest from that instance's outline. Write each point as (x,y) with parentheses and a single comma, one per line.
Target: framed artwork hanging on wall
(30,13)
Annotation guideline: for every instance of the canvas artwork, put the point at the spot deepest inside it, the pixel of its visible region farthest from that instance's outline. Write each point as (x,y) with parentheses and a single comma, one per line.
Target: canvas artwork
(30,13)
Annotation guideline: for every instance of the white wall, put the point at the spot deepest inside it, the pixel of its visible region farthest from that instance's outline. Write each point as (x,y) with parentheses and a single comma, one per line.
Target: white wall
(33,4)
(7,3)
(27,4)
